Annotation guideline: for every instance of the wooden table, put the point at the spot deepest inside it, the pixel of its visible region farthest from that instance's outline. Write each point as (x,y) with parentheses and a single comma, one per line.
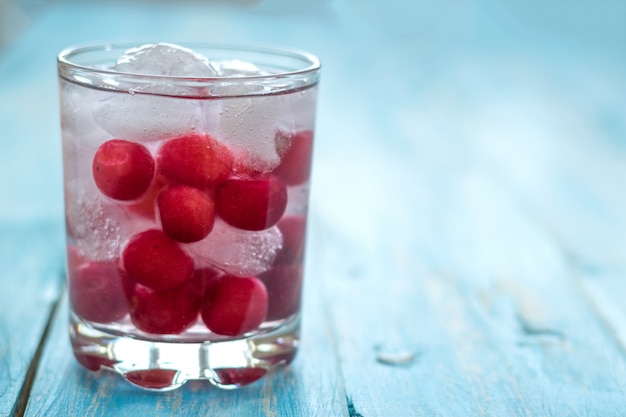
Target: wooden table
(467,254)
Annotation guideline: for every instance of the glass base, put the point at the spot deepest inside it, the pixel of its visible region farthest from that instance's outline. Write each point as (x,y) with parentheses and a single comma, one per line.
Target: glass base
(167,365)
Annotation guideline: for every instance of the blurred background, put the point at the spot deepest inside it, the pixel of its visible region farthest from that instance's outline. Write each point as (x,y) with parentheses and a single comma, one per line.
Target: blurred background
(453,89)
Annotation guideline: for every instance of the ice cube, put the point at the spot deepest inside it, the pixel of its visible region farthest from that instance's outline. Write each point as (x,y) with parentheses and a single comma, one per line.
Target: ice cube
(236,251)
(249,120)
(236,68)
(249,126)
(298,199)
(165,59)
(152,111)
(148,117)
(100,226)
(301,106)
(81,134)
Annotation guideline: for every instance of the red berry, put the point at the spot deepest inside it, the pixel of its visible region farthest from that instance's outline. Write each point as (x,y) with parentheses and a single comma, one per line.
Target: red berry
(284,285)
(96,292)
(252,203)
(74,258)
(235,305)
(153,259)
(90,358)
(195,160)
(123,170)
(93,363)
(293,229)
(128,285)
(295,165)
(187,214)
(204,278)
(164,312)
(242,167)
(145,206)
(155,379)
(239,377)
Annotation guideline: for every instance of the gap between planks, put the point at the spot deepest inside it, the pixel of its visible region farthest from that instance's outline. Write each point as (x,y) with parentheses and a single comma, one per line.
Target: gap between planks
(349,409)
(19,409)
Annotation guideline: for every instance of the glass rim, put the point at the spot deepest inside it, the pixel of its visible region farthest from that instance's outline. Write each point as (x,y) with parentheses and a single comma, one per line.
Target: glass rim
(314,64)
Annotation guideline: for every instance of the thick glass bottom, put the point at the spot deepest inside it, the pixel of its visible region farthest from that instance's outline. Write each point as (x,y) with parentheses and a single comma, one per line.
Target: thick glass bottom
(167,365)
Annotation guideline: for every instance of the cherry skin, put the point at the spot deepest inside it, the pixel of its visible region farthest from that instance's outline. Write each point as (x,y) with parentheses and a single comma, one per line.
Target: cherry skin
(74,257)
(96,292)
(238,377)
(145,206)
(235,305)
(187,214)
(296,156)
(123,170)
(284,286)
(154,260)
(252,203)
(196,160)
(93,363)
(164,312)
(152,378)
(293,229)
(204,278)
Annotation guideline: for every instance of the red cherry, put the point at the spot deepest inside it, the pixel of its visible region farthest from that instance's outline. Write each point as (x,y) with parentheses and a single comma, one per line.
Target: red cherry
(242,167)
(252,203)
(235,305)
(239,377)
(123,170)
(96,292)
(296,155)
(74,258)
(145,206)
(187,214)
(128,285)
(153,259)
(164,312)
(293,229)
(284,286)
(204,278)
(195,160)
(152,378)
(93,363)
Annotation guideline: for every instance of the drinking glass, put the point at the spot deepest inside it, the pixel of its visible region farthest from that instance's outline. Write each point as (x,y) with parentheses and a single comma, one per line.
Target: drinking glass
(186,180)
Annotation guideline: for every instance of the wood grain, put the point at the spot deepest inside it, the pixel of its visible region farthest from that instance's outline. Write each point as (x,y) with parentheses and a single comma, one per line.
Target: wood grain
(466,254)
(32,274)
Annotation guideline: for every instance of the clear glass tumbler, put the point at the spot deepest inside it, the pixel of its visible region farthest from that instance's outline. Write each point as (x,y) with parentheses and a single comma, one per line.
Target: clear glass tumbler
(186,175)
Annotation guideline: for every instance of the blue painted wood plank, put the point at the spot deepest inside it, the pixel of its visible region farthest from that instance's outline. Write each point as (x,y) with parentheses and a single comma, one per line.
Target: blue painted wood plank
(451,234)
(488,305)
(31,282)
(606,291)
(31,230)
